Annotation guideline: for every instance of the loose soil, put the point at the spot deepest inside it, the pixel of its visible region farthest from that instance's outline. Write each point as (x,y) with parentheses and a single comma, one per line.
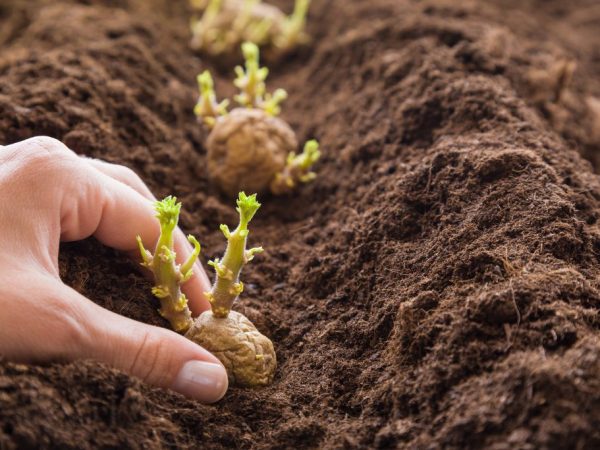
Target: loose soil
(438,285)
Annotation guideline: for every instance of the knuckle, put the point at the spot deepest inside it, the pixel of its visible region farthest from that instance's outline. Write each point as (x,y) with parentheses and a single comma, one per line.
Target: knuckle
(130,178)
(127,172)
(48,144)
(43,152)
(129,175)
(74,333)
(123,174)
(70,334)
(151,359)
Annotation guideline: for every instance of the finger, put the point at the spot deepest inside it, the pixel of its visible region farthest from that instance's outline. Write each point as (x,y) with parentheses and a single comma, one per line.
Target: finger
(121,173)
(67,326)
(198,285)
(115,214)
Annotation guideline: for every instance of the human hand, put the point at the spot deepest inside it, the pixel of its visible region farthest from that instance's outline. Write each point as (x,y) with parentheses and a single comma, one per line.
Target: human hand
(49,194)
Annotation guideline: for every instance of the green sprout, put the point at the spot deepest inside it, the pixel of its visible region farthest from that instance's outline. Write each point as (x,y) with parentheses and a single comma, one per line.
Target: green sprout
(169,276)
(272,102)
(247,28)
(292,32)
(227,23)
(297,168)
(206,33)
(207,108)
(227,286)
(247,355)
(250,81)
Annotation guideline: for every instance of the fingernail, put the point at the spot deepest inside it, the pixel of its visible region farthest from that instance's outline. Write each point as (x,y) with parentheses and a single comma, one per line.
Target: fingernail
(203,381)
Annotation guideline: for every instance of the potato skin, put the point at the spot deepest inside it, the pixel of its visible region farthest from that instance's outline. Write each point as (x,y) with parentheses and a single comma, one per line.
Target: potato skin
(246,148)
(248,355)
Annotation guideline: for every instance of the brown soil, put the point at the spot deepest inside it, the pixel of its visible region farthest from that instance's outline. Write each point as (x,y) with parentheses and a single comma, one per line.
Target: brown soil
(437,286)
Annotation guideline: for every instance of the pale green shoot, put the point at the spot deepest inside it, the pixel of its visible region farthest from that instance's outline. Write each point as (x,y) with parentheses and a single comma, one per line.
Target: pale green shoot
(297,169)
(227,286)
(293,33)
(251,79)
(169,276)
(207,108)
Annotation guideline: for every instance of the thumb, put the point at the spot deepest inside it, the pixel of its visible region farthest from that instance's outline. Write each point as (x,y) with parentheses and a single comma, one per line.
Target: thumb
(155,355)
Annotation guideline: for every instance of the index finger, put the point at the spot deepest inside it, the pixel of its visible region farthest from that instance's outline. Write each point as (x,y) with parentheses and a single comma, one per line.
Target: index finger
(115,214)
(193,290)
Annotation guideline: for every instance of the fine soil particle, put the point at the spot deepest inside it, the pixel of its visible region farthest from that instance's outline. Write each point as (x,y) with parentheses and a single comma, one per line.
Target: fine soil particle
(437,286)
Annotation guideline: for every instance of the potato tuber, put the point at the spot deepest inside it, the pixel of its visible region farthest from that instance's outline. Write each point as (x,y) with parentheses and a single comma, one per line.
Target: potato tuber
(248,356)
(247,149)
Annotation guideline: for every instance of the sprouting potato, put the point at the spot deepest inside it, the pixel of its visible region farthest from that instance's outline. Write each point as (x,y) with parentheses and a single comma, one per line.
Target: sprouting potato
(248,356)
(225,24)
(250,148)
